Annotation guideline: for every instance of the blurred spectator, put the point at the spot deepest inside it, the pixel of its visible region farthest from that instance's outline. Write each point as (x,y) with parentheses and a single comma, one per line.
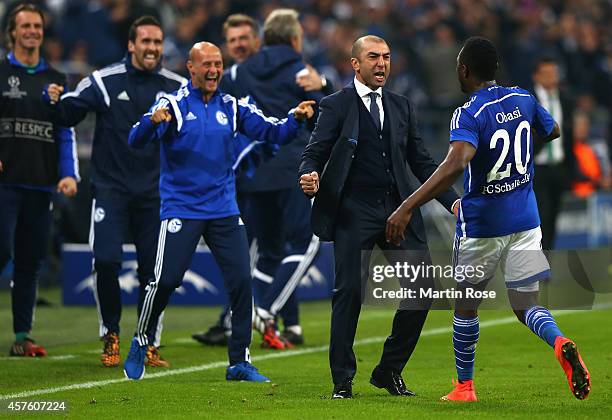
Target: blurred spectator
(590,174)
(554,160)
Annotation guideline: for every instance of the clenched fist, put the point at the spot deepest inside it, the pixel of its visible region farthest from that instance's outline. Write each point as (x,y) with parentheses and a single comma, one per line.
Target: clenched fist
(67,186)
(304,110)
(161,115)
(310,183)
(55,92)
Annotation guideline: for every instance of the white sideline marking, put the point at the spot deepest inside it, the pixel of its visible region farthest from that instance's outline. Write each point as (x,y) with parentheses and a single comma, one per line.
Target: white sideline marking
(59,357)
(288,353)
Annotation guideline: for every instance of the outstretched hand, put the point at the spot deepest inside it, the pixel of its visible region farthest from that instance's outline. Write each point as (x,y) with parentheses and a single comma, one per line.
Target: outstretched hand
(304,110)
(395,231)
(161,115)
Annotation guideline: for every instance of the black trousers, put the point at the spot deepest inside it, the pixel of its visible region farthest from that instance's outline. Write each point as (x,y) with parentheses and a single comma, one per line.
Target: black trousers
(178,241)
(114,216)
(548,185)
(361,225)
(25,224)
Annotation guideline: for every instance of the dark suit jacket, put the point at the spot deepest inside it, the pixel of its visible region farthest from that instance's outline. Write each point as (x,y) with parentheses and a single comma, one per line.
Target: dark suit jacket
(330,152)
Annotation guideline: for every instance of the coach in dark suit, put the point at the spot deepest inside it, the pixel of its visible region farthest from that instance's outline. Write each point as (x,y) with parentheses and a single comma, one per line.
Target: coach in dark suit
(367,140)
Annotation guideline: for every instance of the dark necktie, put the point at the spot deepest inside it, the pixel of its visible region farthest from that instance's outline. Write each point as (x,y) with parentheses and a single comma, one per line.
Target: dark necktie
(374,109)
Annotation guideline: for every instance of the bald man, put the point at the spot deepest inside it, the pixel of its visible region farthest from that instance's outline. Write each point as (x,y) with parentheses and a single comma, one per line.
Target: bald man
(195,127)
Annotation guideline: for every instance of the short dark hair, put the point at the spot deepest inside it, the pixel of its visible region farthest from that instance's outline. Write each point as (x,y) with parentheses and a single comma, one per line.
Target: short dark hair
(480,56)
(358,44)
(240,19)
(544,59)
(143,21)
(12,19)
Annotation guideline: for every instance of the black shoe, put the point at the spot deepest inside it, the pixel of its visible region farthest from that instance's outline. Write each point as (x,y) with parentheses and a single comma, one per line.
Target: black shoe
(293,338)
(391,381)
(343,390)
(215,336)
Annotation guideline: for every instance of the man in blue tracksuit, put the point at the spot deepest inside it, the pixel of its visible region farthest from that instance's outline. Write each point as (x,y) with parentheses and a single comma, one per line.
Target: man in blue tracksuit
(196,127)
(278,213)
(124,180)
(241,33)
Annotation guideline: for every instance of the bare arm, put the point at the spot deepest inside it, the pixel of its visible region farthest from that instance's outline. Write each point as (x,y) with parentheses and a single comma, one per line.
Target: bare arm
(459,155)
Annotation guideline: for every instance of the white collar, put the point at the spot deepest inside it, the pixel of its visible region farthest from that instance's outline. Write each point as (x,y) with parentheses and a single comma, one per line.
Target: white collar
(363,90)
(545,94)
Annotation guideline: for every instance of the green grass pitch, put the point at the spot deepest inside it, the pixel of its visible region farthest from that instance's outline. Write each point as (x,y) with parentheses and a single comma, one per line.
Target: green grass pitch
(517,374)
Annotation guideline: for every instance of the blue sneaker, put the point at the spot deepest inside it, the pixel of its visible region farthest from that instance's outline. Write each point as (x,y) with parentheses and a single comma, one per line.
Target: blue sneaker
(244,371)
(134,364)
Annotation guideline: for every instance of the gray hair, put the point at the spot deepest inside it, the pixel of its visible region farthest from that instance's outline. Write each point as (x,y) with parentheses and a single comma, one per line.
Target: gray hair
(280,26)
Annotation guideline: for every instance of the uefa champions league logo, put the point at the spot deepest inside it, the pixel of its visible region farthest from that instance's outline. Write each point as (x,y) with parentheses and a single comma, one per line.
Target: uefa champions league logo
(14,92)
(13,82)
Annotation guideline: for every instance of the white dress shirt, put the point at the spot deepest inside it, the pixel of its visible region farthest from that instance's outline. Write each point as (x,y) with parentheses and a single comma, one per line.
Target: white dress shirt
(552,152)
(364,93)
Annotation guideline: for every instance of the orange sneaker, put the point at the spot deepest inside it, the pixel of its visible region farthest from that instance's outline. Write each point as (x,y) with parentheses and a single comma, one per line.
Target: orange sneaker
(154,359)
(271,339)
(27,348)
(464,391)
(576,371)
(110,356)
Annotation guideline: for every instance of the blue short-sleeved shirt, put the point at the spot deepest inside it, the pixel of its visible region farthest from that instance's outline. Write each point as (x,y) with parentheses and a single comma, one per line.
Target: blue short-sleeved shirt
(498,182)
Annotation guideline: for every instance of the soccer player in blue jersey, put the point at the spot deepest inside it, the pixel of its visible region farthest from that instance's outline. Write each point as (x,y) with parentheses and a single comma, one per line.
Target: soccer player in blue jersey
(491,143)
(196,128)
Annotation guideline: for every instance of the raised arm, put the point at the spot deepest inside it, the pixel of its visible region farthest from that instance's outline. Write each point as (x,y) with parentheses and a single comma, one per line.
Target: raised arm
(152,125)
(254,124)
(324,136)
(422,164)
(69,109)
(459,155)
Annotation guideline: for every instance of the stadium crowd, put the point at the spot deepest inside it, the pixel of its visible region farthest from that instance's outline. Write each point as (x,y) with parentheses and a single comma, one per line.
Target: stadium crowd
(425,35)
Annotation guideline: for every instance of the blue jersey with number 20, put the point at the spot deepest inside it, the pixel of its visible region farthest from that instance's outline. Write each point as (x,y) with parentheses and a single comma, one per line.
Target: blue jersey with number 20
(498,198)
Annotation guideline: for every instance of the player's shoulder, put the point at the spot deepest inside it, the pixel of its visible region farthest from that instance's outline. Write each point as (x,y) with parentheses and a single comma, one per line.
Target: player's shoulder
(178,97)
(172,76)
(486,97)
(467,110)
(396,97)
(111,70)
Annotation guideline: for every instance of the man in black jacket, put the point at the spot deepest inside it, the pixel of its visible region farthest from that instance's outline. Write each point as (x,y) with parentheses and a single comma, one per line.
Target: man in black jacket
(375,158)
(125,181)
(34,155)
(277,213)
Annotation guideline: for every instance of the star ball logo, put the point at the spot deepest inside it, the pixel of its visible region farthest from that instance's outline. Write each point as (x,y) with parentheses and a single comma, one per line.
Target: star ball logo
(14,92)
(13,82)
(174,225)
